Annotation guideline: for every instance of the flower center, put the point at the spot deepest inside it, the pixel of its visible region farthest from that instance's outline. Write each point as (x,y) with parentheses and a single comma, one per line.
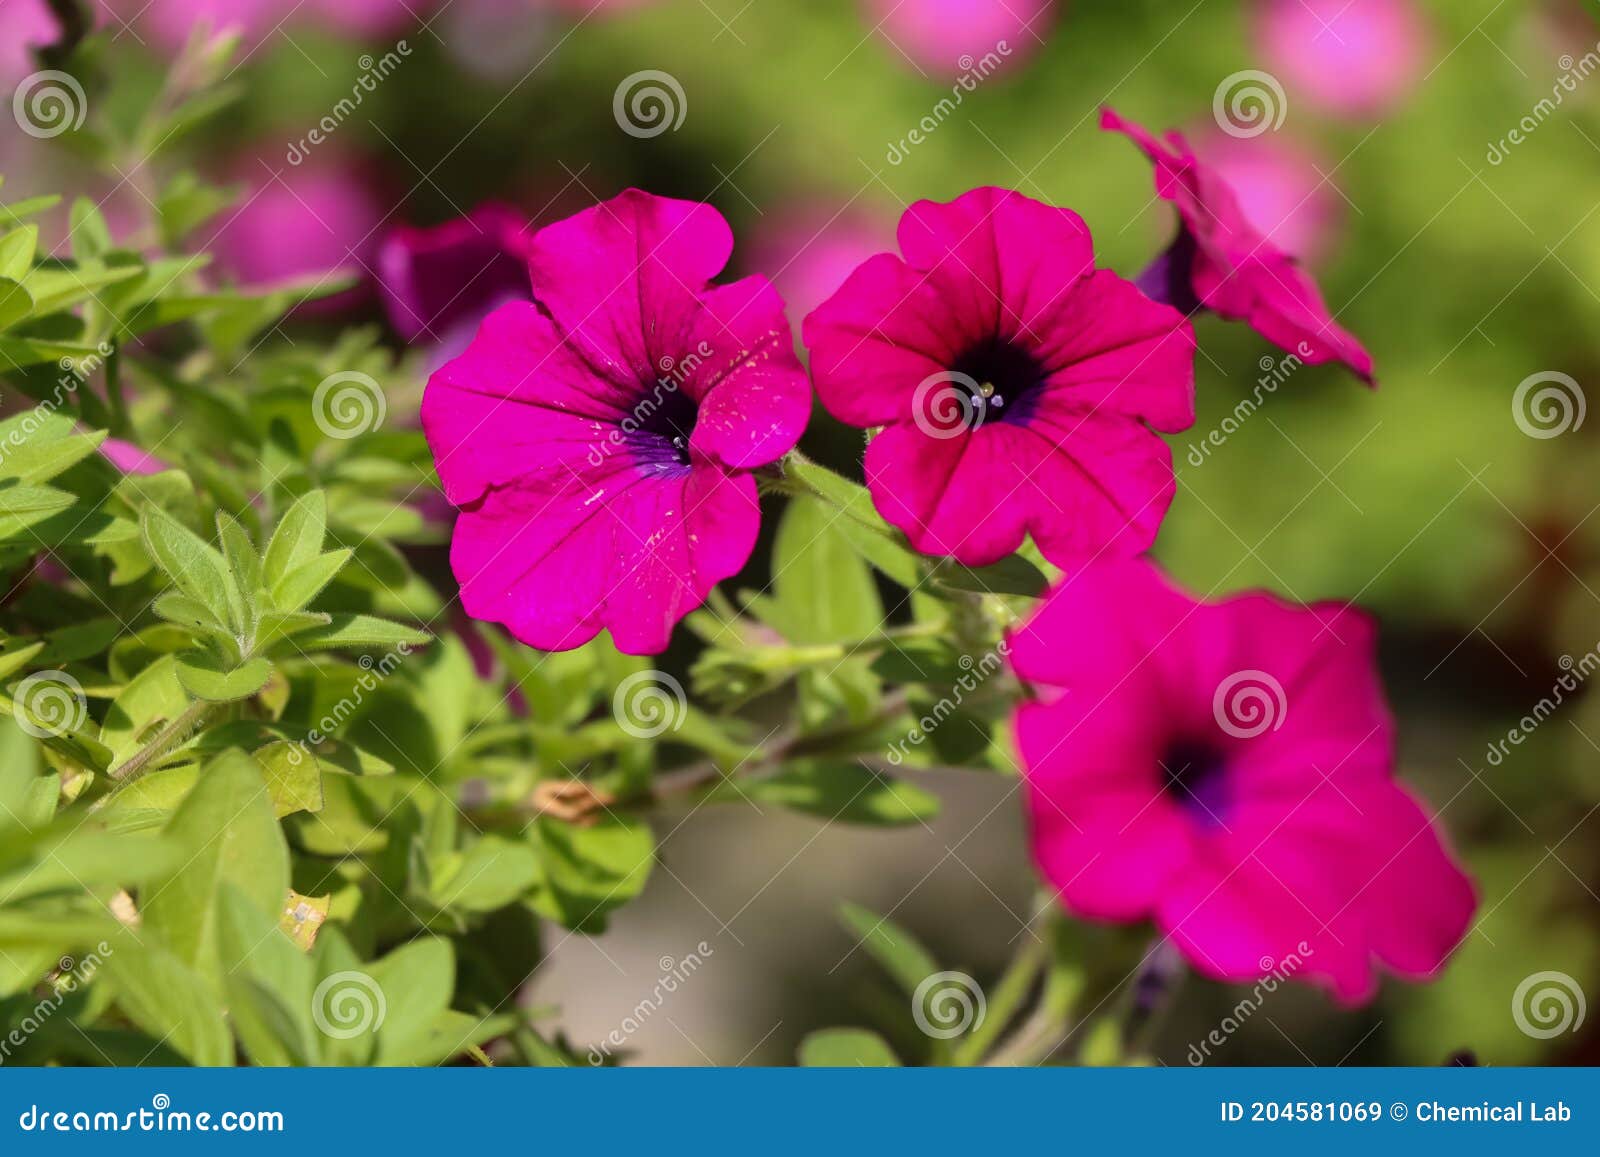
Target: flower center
(1195,777)
(663,421)
(999,378)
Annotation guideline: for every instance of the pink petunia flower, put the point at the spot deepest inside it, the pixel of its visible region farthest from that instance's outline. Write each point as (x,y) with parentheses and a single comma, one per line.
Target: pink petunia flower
(1281,189)
(131,459)
(599,441)
(1014,382)
(298,223)
(25,25)
(950,37)
(1227,770)
(1222,261)
(439,283)
(811,249)
(1354,58)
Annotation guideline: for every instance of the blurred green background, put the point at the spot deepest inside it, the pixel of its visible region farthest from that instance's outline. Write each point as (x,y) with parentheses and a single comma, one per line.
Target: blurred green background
(1425,500)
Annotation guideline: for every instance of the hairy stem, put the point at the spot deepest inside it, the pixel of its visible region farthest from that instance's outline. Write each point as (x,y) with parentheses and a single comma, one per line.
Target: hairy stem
(166,739)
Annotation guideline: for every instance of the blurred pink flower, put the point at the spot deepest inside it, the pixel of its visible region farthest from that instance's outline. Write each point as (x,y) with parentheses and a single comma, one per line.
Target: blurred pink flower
(1227,769)
(808,251)
(1355,58)
(298,223)
(24,26)
(130,459)
(172,22)
(439,283)
(1280,189)
(948,37)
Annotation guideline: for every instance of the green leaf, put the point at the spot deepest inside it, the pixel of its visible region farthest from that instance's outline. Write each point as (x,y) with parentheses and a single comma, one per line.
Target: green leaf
(186,203)
(304,583)
(490,874)
(843,791)
(359,632)
(900,954)
(877,541)
(205,676)
(276,626)
(169,1000)
(297,539)
(21,500)
(825,590)
(195,567)
(16,213)
(88,231)
(12,661)
(229,833)
(152,697)
(55,289)
(416,982)
(294,777)
(191,613)
(268,981)
(846,1048)
(16,303)
(1010,576)
(240,553)
(42,456)
(591,870)
(16,251)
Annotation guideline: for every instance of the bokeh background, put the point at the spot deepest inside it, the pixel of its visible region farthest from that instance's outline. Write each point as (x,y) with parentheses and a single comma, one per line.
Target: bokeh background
(1457,510)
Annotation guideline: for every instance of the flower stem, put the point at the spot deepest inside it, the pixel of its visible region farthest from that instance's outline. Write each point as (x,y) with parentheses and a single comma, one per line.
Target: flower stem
(166,739)
(1009,993)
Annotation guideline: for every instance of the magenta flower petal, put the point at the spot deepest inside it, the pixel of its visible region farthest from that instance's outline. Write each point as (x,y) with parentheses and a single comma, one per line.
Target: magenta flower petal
(624,280)
(131,459)
(598,440)
(1017,385)
(1226,769)
(1222,261)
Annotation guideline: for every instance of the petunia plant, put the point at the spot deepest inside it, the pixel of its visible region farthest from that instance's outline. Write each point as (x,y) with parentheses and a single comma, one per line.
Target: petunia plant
(337,670)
